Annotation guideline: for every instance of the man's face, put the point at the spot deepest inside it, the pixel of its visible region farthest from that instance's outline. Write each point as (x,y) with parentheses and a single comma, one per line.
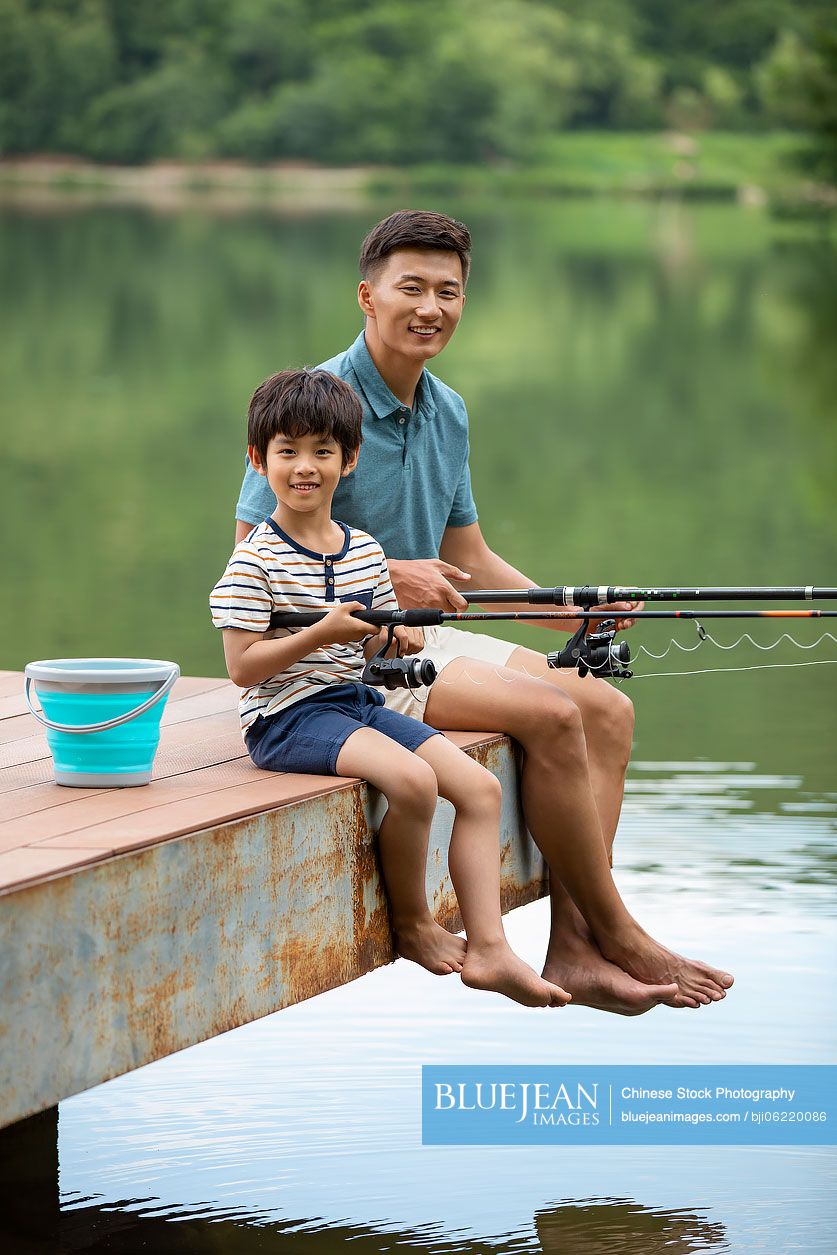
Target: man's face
(414,302)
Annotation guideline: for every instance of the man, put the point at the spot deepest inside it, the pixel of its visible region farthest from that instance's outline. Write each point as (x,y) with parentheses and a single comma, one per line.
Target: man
(412,491)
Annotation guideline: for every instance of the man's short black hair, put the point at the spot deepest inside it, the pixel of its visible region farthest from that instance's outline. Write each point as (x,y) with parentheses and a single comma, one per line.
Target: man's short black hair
(415,228)
(304,402)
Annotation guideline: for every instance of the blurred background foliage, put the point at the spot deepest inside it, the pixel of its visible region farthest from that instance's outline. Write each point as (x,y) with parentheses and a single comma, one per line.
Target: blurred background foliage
(386,81)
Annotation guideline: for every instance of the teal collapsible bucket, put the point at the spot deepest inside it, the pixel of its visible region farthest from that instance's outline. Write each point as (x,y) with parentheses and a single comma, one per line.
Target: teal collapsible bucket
(102,716)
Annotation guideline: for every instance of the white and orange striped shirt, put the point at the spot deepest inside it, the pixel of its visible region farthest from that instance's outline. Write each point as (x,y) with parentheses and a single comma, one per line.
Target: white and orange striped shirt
(270,572)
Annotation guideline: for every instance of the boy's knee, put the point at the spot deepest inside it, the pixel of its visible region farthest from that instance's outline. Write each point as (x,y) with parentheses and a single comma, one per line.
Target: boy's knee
(415,790)
(477,790)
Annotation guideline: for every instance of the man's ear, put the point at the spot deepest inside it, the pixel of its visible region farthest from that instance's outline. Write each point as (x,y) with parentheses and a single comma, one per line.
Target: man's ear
(350,463)
(256,460)
(365,299)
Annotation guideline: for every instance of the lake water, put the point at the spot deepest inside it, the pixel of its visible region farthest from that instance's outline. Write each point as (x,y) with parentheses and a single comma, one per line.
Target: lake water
(651,390)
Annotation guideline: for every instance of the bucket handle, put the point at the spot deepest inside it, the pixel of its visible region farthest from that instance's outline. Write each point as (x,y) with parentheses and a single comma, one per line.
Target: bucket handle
(164,689)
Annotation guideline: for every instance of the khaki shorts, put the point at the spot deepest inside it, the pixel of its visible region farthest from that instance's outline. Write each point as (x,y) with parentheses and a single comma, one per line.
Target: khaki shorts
(442,645)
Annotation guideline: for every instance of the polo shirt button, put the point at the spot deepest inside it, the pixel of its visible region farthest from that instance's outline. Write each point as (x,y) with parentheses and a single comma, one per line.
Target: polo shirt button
(330,579)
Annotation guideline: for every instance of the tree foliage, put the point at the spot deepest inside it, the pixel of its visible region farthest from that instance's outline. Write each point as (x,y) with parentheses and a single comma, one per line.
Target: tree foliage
(347,81)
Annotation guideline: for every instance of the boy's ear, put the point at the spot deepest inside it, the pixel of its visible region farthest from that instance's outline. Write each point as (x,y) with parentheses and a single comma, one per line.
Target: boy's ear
(350,463)
(256,460)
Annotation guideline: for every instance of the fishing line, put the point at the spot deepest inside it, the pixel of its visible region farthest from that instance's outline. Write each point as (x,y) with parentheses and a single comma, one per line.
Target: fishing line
(690,649)
(760,666)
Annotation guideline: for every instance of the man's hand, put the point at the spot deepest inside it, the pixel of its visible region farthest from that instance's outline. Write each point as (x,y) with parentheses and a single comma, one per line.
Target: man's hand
(410,641)
(618,608)
(425,584)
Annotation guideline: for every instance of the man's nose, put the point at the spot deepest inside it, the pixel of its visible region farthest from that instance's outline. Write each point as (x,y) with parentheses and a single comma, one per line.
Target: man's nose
(428,306)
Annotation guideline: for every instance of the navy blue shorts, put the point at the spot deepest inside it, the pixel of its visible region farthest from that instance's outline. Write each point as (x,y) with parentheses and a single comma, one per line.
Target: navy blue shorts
(309,735)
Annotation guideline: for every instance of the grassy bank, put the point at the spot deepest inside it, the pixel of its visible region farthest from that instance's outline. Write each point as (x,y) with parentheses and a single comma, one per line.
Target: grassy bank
(754,169)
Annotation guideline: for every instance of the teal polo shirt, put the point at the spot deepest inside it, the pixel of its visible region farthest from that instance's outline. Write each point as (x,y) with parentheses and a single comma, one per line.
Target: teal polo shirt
(412,478)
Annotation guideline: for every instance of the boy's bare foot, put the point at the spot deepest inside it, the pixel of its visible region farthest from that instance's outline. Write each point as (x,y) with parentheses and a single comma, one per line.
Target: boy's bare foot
(497,968)
(647,961)
(432,946)
(594,982)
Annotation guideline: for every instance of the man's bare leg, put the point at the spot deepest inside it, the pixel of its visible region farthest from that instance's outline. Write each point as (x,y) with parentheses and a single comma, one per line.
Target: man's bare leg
(563,818)
(572,955)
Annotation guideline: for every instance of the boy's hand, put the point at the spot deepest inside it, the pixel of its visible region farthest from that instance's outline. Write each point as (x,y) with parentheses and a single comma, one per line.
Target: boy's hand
(410,641)
(339,627)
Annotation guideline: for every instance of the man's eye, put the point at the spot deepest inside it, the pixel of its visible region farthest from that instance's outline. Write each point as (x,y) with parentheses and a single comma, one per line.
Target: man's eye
(411,290)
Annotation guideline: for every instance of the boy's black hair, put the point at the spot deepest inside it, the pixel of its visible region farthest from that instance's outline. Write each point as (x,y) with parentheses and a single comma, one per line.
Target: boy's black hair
(415,228)
(304,402)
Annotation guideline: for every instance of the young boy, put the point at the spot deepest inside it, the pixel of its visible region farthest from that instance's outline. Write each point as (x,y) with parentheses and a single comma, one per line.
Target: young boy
(303,707)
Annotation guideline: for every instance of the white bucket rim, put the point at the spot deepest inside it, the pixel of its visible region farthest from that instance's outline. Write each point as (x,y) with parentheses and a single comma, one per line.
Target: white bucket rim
(100,670)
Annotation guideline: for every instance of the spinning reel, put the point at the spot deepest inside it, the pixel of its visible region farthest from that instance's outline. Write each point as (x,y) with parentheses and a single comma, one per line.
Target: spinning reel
(594,651)
(397,673)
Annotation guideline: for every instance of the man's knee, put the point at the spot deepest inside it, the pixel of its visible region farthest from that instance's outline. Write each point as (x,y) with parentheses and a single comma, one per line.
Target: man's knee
(551,720)
(609,719)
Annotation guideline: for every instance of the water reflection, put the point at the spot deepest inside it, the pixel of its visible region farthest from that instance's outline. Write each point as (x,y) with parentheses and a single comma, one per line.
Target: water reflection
(32,1222)
(625,1227)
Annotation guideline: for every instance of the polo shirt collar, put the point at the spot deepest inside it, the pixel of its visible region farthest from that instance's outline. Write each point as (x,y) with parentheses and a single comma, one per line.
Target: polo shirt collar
(382,401)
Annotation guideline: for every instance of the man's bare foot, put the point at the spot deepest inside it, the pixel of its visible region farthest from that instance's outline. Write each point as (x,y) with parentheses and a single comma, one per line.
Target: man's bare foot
(432,946)
(581,969)
(496,967)
(645,959)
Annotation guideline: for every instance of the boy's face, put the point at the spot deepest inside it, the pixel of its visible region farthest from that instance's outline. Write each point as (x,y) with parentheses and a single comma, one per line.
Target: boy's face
(414,302)
(303,472)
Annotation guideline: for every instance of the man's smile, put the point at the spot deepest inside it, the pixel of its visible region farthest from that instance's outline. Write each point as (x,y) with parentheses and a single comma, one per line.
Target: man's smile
(427,332)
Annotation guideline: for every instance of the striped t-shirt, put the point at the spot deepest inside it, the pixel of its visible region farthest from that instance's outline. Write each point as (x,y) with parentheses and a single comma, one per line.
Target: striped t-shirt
(268,572)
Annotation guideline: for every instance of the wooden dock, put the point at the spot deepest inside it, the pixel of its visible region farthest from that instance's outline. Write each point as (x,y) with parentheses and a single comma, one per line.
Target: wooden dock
(135,922)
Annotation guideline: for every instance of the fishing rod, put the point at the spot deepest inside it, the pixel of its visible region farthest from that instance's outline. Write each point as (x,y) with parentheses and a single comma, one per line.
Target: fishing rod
(589,595)
(587,651)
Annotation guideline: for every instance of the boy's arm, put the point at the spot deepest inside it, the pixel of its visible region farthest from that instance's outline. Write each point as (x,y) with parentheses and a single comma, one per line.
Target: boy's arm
(252,658)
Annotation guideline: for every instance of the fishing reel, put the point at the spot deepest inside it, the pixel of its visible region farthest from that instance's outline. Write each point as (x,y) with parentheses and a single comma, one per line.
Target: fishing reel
(595,651)
(397,673)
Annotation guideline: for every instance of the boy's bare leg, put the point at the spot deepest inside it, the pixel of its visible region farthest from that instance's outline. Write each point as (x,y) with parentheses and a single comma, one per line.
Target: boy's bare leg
(563,818)
(409,786)
(474,863)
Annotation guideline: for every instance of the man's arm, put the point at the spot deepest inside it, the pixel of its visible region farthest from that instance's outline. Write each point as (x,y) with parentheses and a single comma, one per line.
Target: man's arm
(466,547)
